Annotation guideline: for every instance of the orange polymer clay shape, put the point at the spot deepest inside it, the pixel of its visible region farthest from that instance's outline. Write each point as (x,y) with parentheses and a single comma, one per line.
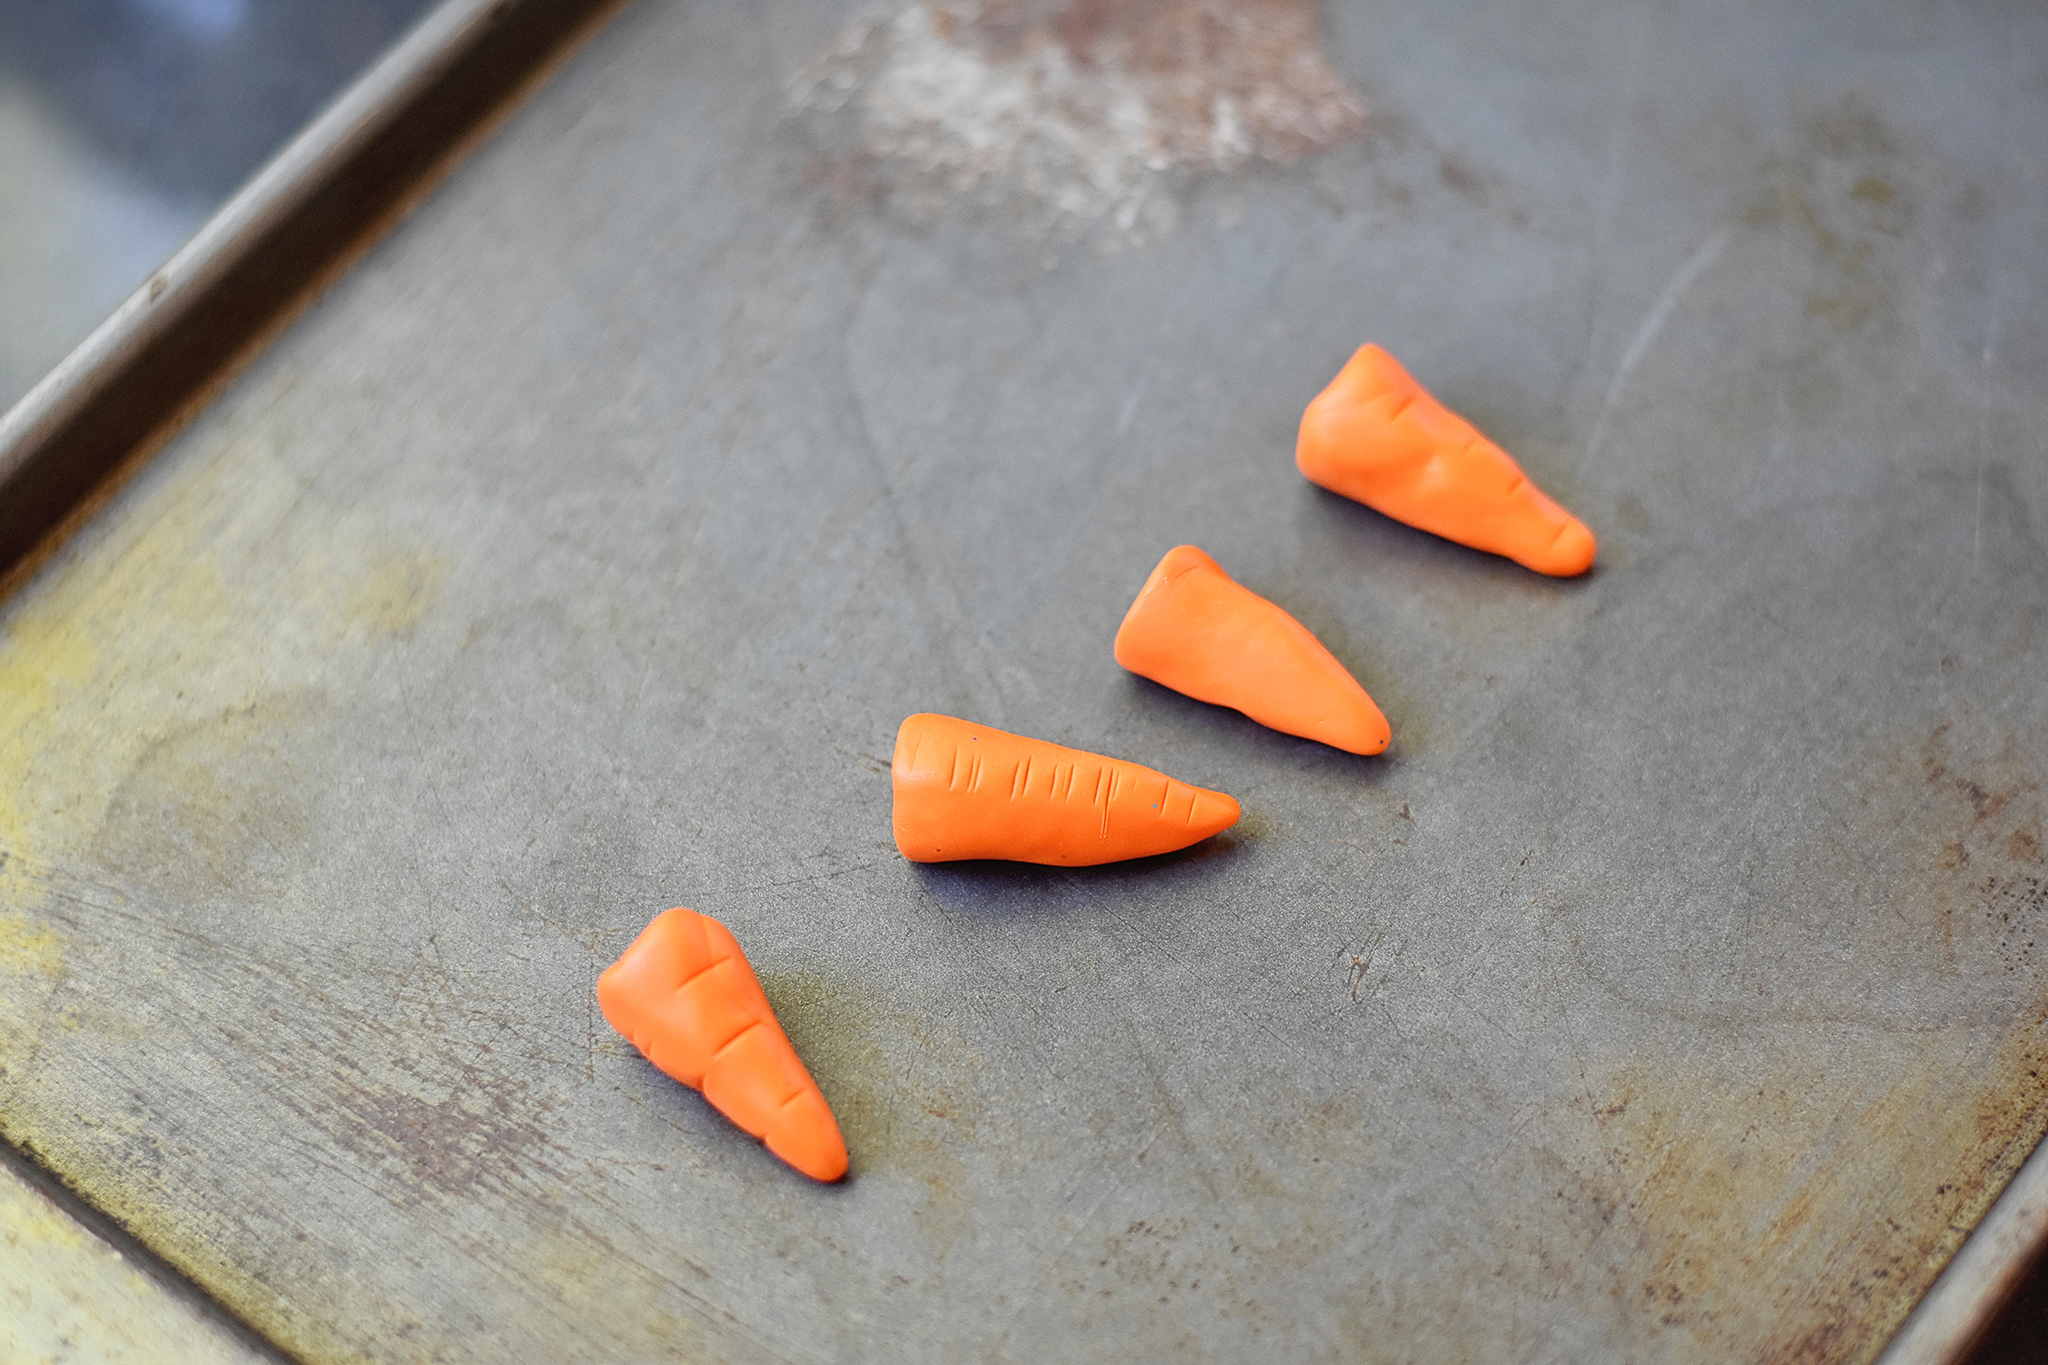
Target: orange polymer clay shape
(1377,436)
(967,791)
(1194,629)
(684,995)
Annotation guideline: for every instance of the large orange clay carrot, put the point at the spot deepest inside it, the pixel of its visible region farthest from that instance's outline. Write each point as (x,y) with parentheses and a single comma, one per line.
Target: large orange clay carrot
(684,995)
(1195,630)
(1377,436)
(966,791)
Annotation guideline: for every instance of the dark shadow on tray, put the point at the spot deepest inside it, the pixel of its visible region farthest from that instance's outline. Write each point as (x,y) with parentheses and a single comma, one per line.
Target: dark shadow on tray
(2018,1335)
(1006,888)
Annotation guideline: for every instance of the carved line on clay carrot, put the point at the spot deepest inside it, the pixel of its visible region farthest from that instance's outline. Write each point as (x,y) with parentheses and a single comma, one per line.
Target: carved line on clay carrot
(1377,436)
(1045,803)
(684,994)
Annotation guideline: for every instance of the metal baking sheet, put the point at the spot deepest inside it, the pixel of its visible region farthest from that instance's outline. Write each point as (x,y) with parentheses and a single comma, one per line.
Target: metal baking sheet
(1669,990)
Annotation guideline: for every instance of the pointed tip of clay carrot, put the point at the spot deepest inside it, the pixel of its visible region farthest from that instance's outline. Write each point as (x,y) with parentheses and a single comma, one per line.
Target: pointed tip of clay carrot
(809,1139)
(1366,735)
(1570,555)
(1213,812)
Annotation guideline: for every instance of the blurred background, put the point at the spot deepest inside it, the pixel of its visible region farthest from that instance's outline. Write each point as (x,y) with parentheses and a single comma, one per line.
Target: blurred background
(125,123)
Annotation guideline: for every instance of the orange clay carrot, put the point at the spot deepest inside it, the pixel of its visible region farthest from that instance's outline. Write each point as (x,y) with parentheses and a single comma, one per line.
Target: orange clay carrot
(684,995)
(1375,435)
(1195,630)
(966,791)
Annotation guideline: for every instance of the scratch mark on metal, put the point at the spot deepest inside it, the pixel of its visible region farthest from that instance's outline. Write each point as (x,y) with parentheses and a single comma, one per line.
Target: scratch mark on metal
(1695,265)
(1123,421)
(1990,360)
(811,880)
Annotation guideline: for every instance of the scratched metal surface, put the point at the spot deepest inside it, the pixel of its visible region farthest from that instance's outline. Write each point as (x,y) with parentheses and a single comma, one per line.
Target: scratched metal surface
(1671,990)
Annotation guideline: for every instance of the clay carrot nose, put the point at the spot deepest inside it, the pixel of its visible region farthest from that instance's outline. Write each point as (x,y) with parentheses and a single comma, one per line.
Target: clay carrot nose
(1196,631)
(684,994)
(1377,436)
(967,791)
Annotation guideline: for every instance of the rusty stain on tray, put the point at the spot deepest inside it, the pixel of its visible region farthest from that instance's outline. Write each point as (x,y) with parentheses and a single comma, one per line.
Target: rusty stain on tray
(1075,114)
(1844,191)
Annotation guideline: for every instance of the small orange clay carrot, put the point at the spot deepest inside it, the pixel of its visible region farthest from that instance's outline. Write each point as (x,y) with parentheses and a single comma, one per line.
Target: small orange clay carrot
(684,995)
(1375,435)
(966,791)
(1195,630)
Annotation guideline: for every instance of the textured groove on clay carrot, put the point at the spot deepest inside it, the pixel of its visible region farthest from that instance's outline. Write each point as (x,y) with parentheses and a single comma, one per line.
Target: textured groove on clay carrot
(1377,436)
(1046,803)
(684,994)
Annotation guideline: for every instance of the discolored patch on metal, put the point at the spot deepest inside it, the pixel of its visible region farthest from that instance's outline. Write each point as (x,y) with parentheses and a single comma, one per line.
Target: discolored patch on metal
(1845,190)
(203,813)
(1079,116)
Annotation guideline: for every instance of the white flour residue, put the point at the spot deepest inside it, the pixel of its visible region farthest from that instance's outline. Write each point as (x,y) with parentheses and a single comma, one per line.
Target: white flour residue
(1076,114)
